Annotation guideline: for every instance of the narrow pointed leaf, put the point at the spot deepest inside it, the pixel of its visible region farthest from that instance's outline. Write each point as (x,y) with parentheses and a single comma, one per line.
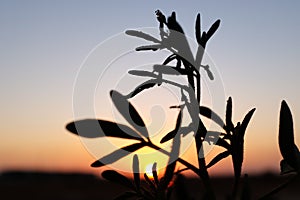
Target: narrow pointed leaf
(161,18)
(203,40)
(223,143)
(246,121)
(209,73)
(149,182)
(142,35)
(118,154)
(166,69)
(169,70)
(142,73)
(174,154)
(169,136)
(147,85)
(173,15)
(154,172)
(218,158)
(228,119)
(179,120)
(237,144)
(154,47)
(213,29)
(116,177)
(178,64)
(173,24)
(198,28)
(288,149)
(127,110)
(93,128)
(207,112)
(173,133)
(169,59)
(136,172)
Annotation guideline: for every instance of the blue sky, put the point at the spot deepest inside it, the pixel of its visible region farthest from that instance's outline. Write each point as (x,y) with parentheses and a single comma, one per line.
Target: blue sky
(43,44)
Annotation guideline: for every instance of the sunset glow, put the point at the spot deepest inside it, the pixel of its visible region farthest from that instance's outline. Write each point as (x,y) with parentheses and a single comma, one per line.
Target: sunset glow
(44,45)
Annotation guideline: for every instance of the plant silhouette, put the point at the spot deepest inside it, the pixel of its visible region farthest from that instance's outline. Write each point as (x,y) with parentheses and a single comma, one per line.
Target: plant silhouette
(231,138)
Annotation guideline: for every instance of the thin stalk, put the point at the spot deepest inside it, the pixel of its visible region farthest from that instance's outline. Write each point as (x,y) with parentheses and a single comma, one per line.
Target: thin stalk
(198,140)
(203,169)
(182,161)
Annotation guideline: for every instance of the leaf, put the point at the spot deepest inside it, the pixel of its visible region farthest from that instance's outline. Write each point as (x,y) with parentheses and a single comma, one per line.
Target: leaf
(207,112)
(127,110)
(288,149)
(136,172)
(142,73)
(93,128)
(237,144)
(169,136)
(169,59)
(173,24)
(173,133)
(154,172)
(174,154)
(118,154)
(212,29)
(113,176)
(169,70)
(246,121)
(154,47)
(142,35)
(209,73)
(148,84)
(149,182)
(203,40)
(218,158)
(198,28)
(223,143)
(228,119)
(161,18)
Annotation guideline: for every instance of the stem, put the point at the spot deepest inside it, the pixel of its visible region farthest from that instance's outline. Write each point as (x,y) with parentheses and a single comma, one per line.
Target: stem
(235,188)
(203,173)
(182,161)
(202,167)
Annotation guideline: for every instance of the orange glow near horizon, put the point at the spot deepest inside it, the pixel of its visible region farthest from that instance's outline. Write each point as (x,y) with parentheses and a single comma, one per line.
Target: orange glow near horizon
(68,154)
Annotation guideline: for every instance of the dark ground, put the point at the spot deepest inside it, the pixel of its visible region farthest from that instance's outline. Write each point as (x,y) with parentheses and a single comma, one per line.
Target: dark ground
(57,186)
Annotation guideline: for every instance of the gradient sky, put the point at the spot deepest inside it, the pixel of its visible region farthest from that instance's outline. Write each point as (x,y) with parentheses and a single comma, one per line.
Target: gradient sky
(43,44)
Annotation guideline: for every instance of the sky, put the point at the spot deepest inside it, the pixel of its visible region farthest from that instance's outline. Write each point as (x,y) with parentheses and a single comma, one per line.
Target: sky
(44,44)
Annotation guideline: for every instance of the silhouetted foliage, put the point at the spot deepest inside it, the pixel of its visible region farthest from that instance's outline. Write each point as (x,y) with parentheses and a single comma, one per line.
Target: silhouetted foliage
(231,138)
